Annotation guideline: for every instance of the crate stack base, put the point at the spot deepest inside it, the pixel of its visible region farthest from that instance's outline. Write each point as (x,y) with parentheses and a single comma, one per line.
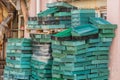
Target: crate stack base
(18,60)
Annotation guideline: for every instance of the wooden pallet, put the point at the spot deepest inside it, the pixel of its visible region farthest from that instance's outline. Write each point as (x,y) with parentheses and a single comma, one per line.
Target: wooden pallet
(45,31)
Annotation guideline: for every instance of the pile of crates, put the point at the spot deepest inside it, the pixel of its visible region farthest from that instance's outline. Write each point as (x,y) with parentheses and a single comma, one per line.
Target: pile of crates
(85,54)
(80,17)
(98,51)
(53,20)
(41,61)
(57,16)
(18,59)
(78,53)
(69,60)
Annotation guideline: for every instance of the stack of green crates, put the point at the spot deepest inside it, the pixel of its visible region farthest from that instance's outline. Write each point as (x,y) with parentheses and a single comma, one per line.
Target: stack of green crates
(41,61)
(98,56)
(83,59)
(54,12)
(18,60)
(80,17)
(69,57)
(98,51)
(69,60)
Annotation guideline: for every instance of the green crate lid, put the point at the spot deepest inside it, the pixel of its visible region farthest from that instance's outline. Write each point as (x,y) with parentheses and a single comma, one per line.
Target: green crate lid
(83,11)
(99,21)
(65,33)
(48,11)
(84,30)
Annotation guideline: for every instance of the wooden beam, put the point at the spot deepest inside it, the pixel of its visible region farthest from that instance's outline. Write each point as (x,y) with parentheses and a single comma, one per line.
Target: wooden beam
(12,3)
(25,14)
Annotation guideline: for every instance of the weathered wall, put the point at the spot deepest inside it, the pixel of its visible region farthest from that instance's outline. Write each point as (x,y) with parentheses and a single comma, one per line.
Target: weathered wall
(35,8)
(80,4)
(113,15)
(32,8)
(89,3)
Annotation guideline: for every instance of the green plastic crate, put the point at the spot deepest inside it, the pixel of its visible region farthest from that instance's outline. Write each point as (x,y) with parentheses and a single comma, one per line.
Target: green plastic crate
(99,70)
(101,78)
(57,55)
(56,42)
(65,33)
(99,61)
(84,30)
(73,43)
(98,21)
(83,11)
(15,62)
(18,66)
(20,40)
(104,57)
(48,11)
(19,51)
(10,44)
(93,75)
(18,48)
(72,68)
(106,35)
(75,52)
(90,67)
(77,73)
(62,14)
(19,55)
(59,4)
(107,26)
(97,49)
(75,77)
(76,48)
(58,47)
(97,53)
(107,31)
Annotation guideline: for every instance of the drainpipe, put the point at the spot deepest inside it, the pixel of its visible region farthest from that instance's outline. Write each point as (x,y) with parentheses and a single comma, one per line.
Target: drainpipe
(38,6)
